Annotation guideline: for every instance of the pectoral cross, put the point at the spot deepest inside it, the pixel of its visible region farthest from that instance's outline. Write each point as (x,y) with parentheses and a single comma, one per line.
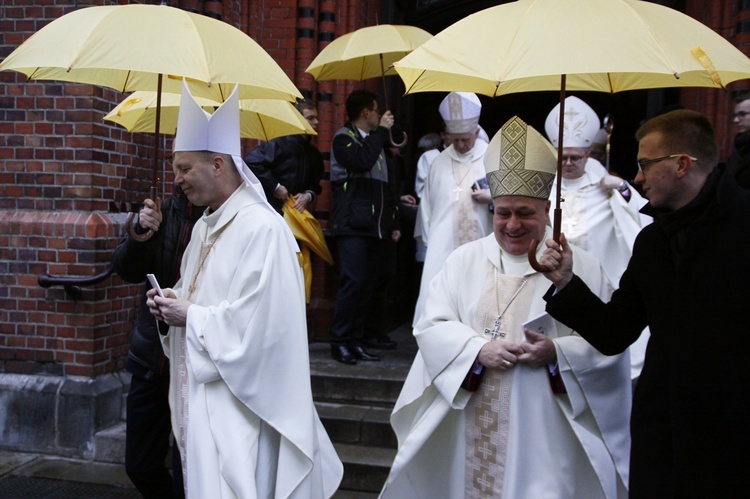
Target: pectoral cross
(457,189)
(495,332)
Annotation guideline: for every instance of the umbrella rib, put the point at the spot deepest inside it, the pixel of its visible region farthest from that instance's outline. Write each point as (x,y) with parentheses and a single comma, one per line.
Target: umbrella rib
(651,33)
(125,85)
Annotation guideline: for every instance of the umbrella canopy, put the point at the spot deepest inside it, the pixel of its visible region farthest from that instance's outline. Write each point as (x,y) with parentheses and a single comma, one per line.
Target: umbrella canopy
(126,47)
(262,119)
(601,45)
(366,53)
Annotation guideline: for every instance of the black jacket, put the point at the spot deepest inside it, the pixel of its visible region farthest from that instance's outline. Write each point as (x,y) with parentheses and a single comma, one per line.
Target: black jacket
(290,161)
(739,160)
(365,200)
(689,280)
(160,255)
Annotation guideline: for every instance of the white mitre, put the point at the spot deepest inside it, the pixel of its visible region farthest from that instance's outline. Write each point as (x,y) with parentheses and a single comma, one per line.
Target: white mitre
(197,130)
(520,162)
(580,123)
(460,111)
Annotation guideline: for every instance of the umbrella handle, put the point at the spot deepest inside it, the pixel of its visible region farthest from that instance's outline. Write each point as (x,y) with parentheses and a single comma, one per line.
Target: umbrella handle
(132,220)
(130,229)
(534,243)
(394,144)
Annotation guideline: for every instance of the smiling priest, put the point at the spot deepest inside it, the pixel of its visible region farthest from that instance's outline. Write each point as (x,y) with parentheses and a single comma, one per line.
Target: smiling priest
(503,401)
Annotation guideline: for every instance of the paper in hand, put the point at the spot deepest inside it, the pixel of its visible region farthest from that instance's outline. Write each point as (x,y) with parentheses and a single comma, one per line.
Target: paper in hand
(543,324)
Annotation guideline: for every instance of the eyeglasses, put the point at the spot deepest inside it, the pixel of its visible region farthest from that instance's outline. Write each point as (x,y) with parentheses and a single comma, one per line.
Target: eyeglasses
(644,163)
(740,114)
(572,159)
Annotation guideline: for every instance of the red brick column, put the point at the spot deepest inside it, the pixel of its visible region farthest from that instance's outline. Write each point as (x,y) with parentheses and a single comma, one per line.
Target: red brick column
(64,174)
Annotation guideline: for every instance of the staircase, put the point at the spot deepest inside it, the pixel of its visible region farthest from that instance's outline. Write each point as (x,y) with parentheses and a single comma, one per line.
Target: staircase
(354,403)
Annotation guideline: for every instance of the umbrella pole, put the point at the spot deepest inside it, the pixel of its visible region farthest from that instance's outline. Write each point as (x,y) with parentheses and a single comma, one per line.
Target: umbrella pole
(154,191)
(557,213)
(387,105)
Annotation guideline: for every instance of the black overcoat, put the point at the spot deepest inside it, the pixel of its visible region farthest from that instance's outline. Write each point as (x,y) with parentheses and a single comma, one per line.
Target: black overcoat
(689,280)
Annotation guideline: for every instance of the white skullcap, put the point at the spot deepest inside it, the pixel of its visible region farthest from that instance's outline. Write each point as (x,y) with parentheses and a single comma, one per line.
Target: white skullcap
(197,130)
(580,124)
(460,111)
(520,162)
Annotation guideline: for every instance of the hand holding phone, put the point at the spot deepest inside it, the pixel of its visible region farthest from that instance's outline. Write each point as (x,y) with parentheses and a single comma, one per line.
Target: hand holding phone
(155,284)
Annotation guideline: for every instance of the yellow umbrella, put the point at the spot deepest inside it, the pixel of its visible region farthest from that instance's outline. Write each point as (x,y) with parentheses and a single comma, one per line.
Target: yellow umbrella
(127,47)
(132,47)
(599,45)
(367,53)
(262,119)
(307,231)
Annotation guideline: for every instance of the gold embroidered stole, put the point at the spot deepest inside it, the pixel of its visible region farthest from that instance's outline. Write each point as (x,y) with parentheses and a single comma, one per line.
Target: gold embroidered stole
(487,414)
(182,391)
(465,223)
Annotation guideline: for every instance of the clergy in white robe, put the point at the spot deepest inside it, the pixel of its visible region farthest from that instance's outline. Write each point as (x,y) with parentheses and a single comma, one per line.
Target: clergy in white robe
(600,212)
(454,208)
(240,394)
(519,435)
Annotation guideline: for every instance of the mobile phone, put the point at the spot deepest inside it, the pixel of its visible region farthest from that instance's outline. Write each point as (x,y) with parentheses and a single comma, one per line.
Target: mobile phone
(155,284)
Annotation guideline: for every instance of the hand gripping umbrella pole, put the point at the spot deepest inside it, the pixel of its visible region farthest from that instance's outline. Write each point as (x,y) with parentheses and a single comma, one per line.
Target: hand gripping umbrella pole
(155,180)
(557,213)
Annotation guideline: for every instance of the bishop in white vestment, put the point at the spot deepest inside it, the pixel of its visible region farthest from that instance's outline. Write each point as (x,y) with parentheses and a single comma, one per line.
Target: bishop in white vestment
(600,212)
(240,393)
(454,207)
(549,417)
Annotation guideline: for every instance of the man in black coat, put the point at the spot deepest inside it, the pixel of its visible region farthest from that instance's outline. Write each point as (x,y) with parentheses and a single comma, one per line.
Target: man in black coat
(364,220)
(289,166)
(148,424)
(689,281)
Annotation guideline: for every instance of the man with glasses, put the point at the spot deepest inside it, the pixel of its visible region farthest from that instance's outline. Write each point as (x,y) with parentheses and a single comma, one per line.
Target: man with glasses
(364,221)
(688,281)
(739,161)
(600,212)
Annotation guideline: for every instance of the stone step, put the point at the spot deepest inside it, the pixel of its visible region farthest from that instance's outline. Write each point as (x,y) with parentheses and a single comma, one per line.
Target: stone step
(366,383)
(357,424)
(365,467)
(109,444)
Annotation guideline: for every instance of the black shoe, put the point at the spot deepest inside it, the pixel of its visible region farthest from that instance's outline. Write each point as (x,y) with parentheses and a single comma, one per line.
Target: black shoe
(343,354)
(381,342)
(361,354)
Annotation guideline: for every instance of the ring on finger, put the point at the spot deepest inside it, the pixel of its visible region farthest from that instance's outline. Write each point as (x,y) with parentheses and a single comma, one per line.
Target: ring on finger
(507,364)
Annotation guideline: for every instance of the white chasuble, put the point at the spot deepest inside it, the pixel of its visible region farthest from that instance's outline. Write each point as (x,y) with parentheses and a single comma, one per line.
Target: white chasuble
(606,225)
(248,427)
(448,216)
(512,437)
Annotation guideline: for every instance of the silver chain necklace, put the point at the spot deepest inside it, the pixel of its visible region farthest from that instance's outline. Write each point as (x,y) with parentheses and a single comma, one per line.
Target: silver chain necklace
(495,332)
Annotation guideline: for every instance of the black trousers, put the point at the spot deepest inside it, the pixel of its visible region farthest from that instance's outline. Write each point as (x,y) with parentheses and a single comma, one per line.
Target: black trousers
(147,440)
(361,260)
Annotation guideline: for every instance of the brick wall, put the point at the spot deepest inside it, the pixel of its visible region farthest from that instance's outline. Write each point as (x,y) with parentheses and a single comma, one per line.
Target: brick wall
(63,173)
